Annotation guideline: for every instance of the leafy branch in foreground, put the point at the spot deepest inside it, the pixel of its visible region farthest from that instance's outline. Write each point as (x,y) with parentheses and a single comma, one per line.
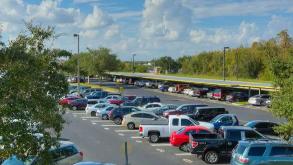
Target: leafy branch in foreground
(30,85)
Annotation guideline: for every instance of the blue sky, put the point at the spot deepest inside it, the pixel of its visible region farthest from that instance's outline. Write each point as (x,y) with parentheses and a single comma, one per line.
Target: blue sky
(150,28)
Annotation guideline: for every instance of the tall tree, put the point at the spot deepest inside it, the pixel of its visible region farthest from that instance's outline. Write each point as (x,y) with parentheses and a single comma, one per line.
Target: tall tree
(30,86)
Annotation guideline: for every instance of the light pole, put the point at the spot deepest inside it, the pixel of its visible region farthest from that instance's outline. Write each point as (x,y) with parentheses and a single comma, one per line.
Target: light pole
(133,62)
(237,64)
(224,61)
(78,69)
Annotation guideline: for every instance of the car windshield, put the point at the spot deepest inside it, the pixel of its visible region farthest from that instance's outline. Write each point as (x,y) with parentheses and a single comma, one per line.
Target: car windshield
(215,118)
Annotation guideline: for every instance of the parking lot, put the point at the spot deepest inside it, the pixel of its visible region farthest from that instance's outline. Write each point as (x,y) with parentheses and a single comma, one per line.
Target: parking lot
(102,140)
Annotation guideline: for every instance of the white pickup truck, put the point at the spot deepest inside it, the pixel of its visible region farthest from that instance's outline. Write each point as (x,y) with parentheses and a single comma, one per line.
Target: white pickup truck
(176,122)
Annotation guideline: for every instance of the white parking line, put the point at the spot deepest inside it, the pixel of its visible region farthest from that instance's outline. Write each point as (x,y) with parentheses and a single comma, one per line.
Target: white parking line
(161,145)
(187,160)
(94,123)
(120,134)
(136,137)
(105,125)
(84,119)
(89,117)
(126,130)
(160,150)
(78,113)
(74,116)
(183,154)
(106,128)
(101,121)
(138,141)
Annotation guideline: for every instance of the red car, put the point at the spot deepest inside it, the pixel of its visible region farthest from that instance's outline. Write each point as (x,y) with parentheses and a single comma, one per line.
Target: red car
(65,100)
(180,138)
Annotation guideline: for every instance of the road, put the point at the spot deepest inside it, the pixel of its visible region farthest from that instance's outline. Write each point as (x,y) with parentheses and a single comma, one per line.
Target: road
(103,141)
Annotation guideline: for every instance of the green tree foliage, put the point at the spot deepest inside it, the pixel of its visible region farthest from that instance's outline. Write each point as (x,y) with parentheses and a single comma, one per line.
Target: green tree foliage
(167,64)
(93,62)
(281,57)
(31,83)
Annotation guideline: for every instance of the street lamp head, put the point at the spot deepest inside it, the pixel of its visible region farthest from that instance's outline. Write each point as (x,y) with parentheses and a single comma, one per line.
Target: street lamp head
(226,47)
(75,35)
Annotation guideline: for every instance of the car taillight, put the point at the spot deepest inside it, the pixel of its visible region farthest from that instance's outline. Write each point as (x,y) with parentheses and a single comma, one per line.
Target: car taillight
(140,129)
(81,154)
(243,160)
(194,144)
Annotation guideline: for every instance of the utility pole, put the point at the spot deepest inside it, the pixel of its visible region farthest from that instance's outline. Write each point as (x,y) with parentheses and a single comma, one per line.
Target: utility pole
(78,67)
(237,64)
(133,70)
(224,65)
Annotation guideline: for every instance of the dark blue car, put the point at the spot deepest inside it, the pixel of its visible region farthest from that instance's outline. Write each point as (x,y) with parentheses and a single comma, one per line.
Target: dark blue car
(225,120)
(97,95)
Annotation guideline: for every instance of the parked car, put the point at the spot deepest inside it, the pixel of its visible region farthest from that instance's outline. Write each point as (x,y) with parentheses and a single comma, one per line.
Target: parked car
(157,131)
(199,92)
(118,113)
(97,95)
(180,138)
(205,113)
(183,109)
(65,100)
(152,106)
(151,84)
(88,91)
(187,91)
(164,87)
(78,104)
(269,103)
(237,97)
(210,94)
(160,110)
(264,127)
(104,113)
(212,147)
(262,152)
(140,101)
(133,120)
(140,83)
(172,89)
(220,94)
(225,120)
(92,110)
(180,87)
(259,99)
(65,154)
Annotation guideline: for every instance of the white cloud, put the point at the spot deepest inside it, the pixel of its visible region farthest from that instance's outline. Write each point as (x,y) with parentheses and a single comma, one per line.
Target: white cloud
(112,31)
(165,19)
(277,24)
(197,36)
(204,9)
(97,19)
(126,14)
(48,11)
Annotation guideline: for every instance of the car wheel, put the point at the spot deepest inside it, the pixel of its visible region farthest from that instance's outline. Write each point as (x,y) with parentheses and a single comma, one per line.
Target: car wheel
(118,121)
(211,157)
(93,113)
(185,147)
(154,137)
(130,126)
(104,117)
(74,108)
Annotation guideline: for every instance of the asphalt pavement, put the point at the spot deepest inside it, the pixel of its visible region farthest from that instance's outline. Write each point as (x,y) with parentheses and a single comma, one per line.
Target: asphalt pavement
(104,141)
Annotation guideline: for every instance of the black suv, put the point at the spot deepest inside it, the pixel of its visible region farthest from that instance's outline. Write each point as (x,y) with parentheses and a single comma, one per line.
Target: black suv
(140,101)
(207,113)
(117,114)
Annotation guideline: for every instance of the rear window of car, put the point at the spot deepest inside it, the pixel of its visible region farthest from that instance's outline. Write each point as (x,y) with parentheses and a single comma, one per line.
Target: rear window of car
(256,151)
(234,135)
(240,149)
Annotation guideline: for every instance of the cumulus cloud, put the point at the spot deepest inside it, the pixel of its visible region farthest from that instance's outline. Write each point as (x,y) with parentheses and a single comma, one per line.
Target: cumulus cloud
(165,19)
(112,31)
(97,19)
(49,12)
(197,36)
(277,24)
